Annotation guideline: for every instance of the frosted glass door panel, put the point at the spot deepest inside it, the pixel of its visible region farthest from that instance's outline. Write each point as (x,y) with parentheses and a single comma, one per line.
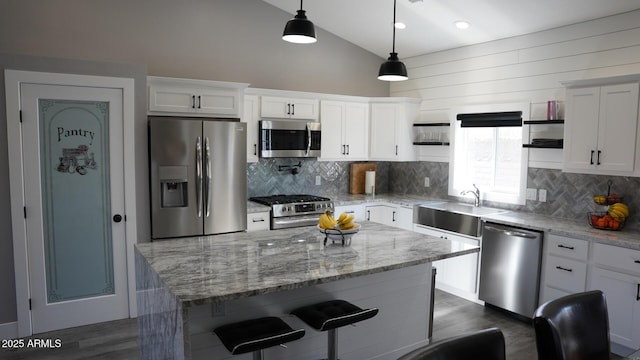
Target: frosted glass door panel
(76,200)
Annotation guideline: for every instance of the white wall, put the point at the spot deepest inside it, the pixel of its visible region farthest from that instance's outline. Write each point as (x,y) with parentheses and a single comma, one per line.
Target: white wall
(227,40)
(528,67)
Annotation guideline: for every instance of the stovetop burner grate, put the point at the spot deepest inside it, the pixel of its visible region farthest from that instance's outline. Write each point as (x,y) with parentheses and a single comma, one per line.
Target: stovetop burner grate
(287,199)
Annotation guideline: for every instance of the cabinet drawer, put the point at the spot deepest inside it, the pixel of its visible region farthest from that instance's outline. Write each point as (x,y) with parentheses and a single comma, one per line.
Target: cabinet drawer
(569,247)
(552,294)
(617,257)
(565,274)
(258,221)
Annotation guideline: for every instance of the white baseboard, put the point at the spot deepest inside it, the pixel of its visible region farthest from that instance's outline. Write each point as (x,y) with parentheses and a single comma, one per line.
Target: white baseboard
(9,330)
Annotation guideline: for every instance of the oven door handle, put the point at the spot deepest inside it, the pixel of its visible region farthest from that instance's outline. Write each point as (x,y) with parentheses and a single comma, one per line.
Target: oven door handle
(292,221)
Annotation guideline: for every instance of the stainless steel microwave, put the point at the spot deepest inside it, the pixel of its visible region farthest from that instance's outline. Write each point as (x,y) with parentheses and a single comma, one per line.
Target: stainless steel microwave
(289,138)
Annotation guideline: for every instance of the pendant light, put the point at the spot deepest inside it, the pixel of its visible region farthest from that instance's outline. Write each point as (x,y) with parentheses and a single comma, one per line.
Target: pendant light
(393,69)
(299,30)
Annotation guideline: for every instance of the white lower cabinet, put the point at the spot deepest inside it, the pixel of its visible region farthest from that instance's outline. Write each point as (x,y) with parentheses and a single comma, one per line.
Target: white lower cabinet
(565,267)
(258,221)
(620,282)
(392,215)
(404,217)
(457,275)
(357,210)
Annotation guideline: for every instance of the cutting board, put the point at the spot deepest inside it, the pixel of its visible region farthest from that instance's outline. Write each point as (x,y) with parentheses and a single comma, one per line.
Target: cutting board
(357,174)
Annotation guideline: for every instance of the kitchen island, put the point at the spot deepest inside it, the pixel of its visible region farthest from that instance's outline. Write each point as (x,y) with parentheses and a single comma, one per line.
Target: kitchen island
(186,287)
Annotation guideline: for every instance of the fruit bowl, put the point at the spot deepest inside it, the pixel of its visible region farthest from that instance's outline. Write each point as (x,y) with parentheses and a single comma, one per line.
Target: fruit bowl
(341,235)
(608,200)
(604,221)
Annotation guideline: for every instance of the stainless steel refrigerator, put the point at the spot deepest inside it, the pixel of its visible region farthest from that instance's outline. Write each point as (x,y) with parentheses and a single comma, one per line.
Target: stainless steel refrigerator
(198,173)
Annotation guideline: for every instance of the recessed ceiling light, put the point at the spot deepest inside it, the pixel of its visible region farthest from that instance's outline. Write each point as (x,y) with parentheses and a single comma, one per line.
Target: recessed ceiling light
(400,25)
(460,24)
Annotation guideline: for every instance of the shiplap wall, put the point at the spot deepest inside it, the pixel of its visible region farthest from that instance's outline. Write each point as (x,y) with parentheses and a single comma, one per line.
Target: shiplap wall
(526,68)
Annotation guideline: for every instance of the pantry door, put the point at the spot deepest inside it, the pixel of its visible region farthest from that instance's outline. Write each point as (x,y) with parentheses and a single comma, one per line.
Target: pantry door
(74,203)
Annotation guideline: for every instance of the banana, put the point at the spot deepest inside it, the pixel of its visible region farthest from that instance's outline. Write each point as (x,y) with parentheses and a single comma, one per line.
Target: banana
(326,221)
(348,226)
(600,199)
(342,217)
(621,208)
(345,219)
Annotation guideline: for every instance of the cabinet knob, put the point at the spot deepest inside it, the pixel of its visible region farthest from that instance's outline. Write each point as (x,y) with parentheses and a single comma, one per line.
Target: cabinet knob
(117,218)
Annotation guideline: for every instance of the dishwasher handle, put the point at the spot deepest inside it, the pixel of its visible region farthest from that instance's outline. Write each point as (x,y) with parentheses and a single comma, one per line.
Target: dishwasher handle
(510,231)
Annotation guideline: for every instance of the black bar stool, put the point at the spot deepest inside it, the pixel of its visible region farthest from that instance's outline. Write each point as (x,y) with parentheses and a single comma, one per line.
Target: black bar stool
(329,316)
(255,335)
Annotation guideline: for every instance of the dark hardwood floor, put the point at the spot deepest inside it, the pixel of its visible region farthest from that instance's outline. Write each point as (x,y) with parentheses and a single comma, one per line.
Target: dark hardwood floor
(455,316)
(118,339)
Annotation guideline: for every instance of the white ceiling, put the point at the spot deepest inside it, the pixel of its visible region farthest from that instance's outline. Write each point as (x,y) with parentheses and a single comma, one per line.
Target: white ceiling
(430,23)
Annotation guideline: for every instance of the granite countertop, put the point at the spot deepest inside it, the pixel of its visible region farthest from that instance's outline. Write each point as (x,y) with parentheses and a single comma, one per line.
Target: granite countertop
(564,227)
(214,268)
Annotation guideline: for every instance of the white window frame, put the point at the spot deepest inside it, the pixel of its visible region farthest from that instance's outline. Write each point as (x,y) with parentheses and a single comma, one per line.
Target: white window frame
(487,194)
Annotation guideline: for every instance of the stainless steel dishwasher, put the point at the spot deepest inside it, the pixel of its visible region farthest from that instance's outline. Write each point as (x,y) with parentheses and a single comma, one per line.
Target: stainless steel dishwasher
(510,268)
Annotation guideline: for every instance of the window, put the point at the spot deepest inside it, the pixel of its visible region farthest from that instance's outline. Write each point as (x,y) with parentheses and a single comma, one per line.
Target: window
(493,159)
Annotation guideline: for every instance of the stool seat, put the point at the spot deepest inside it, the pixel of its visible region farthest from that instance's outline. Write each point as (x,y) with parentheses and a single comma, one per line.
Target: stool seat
(332,314)
(256,334)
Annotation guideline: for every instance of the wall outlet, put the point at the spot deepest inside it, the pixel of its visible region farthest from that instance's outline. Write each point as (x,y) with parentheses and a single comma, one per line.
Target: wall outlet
(532,194)
(318,179)
(542,195)
(427,182)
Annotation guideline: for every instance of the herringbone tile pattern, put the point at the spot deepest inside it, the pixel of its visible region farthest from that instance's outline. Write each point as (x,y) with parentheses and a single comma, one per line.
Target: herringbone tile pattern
(568,195)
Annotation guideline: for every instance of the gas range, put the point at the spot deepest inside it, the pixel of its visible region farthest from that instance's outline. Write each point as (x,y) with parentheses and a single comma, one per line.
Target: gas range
(294,210)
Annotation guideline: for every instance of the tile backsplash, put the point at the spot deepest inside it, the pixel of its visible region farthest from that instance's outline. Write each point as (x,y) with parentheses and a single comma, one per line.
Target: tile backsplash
(568,195)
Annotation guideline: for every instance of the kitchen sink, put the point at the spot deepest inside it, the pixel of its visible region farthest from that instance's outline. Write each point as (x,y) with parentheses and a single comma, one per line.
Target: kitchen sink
(460,218)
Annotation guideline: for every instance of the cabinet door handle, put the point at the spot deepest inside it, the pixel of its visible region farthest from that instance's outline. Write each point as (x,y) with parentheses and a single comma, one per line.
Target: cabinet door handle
(368,215)
(193,101)
(396,149)
(255,149)
(638,293)
(257,220)
(563,269)
(598,161)
(293,109)
(347,149)
(566,247)
(591,159)
(636,261)
(288,109)
(344,152)
(393,216)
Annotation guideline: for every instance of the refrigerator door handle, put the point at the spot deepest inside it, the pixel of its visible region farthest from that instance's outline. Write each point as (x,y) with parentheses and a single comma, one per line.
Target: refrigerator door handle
(208,185)
(199,176)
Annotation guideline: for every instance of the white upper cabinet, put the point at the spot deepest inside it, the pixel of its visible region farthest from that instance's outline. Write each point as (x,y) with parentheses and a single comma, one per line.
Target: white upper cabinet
(345,128)
(391,130)
(600,129)
(289,108)
(251,115)
(172,96)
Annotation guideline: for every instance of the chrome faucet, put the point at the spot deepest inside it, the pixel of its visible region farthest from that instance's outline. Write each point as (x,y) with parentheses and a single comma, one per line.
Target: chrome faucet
(475,193)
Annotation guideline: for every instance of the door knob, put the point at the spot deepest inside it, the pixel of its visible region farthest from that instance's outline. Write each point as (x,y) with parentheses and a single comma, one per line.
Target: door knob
(117,218)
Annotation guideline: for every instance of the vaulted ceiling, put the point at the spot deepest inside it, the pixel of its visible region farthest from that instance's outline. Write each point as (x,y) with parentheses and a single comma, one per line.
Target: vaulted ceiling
(430,23)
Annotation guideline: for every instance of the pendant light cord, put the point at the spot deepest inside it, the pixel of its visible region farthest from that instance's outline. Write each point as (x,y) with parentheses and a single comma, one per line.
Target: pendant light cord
(301,4)
(394,26)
